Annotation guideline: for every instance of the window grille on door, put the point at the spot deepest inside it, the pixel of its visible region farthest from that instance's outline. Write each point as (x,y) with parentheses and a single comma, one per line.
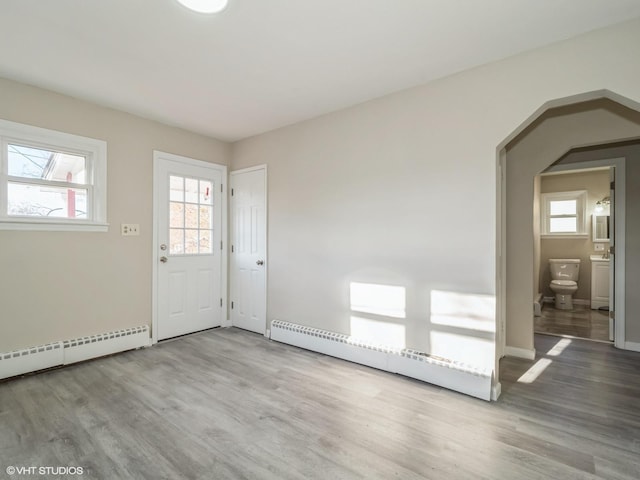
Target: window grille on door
(190,216)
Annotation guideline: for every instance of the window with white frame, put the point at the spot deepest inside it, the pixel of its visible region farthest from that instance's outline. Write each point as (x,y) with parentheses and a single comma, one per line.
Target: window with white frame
(51,180)
(563,214)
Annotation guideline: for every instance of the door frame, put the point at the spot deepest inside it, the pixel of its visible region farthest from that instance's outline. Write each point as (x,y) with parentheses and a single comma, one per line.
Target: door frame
(267,330)
(159,156)
(619,238)
(619,257)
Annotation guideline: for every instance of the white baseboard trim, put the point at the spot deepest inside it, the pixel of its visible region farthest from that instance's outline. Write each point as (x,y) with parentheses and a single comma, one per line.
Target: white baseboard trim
(576,301)
(66,352)
(442,372)
(537,305)
(496,390)
(520,353)
(633,346)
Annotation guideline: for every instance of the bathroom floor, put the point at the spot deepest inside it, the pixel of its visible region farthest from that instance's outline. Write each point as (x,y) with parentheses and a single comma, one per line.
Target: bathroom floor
(580,322)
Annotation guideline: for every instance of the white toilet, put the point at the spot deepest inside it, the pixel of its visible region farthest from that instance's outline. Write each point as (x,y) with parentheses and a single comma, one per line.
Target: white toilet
(564,280)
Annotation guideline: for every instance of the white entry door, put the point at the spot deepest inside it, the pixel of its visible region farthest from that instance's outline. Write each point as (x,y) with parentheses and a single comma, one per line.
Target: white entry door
(188,260)
(249,249)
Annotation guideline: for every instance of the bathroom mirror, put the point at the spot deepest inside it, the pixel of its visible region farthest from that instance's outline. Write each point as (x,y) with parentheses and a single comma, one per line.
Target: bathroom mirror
(600,224)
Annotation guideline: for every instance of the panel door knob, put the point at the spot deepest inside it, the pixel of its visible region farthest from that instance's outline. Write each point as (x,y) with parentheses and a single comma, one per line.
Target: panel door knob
(164,259)
(259,262)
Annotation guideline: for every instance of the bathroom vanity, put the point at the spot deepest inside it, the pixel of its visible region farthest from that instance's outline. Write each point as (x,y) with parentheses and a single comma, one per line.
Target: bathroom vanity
(599,282)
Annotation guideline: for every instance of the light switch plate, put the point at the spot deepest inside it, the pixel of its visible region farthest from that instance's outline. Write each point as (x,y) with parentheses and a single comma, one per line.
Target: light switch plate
(130,229)
(598,247)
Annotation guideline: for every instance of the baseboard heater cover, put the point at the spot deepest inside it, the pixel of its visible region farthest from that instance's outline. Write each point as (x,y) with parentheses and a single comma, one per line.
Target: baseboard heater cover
(411,363)
(66,352)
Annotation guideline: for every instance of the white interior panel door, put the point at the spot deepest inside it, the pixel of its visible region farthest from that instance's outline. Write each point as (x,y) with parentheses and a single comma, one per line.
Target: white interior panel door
(188,242)
(249,249)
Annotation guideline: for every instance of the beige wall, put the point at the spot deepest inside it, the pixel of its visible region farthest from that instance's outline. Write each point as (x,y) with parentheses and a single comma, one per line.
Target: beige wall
(597,186)
(61,285)
(631,153)
(402,190)
(397,191)
(529,154)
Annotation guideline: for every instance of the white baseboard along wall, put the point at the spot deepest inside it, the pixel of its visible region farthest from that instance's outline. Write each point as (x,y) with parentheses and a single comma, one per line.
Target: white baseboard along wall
(442,372)
(32,359)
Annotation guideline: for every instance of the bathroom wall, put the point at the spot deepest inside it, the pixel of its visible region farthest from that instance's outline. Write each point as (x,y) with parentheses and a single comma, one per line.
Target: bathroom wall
(596,183)
(60,285)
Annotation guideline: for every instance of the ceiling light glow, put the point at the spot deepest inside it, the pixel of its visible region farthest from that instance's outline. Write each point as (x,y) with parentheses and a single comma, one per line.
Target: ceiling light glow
(205,6)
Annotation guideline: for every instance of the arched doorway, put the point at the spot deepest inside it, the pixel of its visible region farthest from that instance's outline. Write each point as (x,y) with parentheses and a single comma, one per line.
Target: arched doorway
(586,120)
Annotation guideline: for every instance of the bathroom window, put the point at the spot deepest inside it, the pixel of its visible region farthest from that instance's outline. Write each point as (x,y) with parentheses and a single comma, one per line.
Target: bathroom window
(563,214)
(51,180)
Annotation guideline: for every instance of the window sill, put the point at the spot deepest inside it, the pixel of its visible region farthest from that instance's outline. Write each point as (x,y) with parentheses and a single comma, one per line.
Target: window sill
(569,236)
(52,225)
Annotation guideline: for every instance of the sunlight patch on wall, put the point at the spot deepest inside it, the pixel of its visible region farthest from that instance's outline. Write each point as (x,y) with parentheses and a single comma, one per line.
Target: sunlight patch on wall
(463,310)
(384,300)
(462,327)
(461,347)
(375,332)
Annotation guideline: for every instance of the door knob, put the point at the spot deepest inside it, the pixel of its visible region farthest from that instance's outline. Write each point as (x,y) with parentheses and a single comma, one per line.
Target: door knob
(164,259)
(259,262)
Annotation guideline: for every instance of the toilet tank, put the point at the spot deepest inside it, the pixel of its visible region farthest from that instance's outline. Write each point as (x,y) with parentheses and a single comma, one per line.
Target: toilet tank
(564,268)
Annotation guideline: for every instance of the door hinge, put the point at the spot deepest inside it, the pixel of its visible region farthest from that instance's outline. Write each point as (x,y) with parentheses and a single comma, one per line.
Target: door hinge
(612,250)
(612,185)
(232,192)
(220,302)
(220,244)
(221,188)
(231,305)
(612,315)
(232,249)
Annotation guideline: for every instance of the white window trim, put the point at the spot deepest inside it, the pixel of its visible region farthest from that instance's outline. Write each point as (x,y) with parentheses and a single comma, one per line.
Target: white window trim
(94,150)
(581,213)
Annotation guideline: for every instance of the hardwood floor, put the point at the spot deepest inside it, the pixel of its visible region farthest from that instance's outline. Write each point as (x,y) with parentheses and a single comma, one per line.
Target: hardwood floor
(230,404)
(580,322)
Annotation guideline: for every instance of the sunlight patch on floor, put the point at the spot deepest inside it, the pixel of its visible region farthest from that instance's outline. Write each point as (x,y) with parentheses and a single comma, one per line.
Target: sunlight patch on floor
(535,371)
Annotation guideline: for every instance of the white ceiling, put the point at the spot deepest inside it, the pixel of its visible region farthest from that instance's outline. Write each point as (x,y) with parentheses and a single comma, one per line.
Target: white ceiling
(262,64)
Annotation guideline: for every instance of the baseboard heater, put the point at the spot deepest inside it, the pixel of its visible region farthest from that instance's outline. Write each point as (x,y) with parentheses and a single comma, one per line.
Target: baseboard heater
(410,363)
(66,352)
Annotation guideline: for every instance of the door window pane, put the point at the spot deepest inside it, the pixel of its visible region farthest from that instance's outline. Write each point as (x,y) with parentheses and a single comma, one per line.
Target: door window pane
(190,216)
(205,217)
(176,241)
(191,190)
(205,241)
(176,189)
(206,192)
(176,215)
(190,241)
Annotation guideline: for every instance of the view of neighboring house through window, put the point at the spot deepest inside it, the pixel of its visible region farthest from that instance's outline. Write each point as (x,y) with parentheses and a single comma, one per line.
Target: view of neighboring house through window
(51,180)
(45,183)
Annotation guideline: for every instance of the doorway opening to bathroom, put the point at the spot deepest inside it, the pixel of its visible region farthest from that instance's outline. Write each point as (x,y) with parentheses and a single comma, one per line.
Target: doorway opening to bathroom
(574,208)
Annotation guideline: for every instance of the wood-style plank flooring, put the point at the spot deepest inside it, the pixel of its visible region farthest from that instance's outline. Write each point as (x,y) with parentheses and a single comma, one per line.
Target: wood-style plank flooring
(231,404)
(580,322)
